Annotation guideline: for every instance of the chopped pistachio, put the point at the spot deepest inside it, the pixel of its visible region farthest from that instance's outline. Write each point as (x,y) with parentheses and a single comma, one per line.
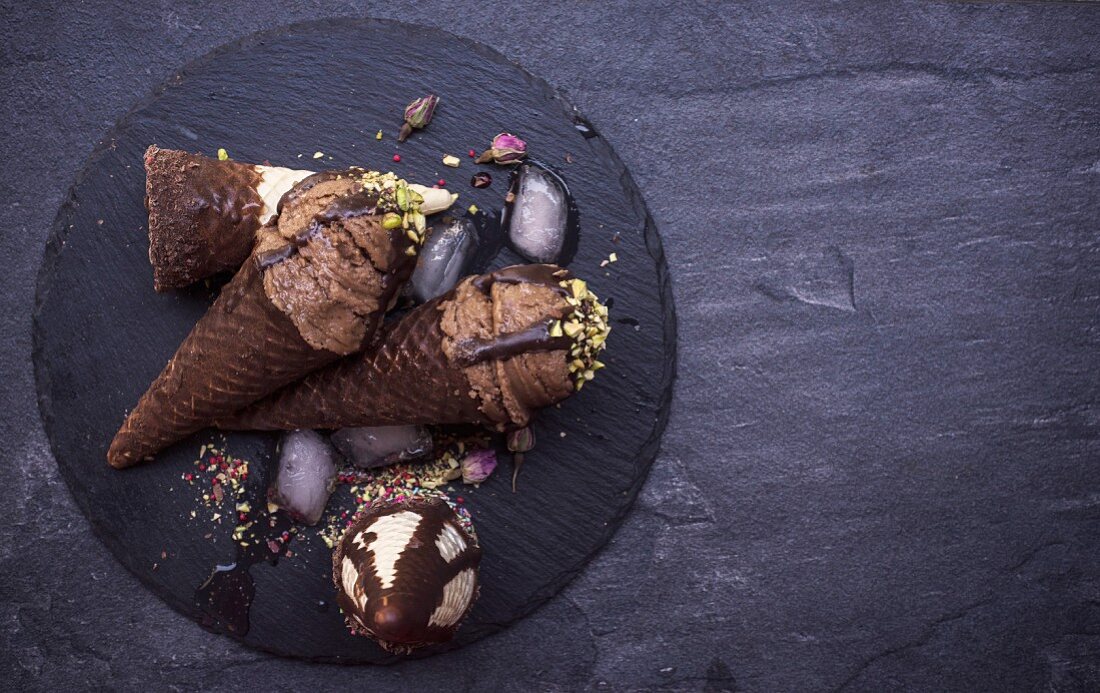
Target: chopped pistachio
(613,257)
(555,328)
(419,222)
(573,328)
(378,136)
(472,209)
(391,220)
(222,156)
(318,155)
(452,161)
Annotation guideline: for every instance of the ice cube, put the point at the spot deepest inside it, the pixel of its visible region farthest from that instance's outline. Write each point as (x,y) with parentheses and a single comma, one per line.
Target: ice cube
(443,259)
(539,214)
(304,480)
(379,446)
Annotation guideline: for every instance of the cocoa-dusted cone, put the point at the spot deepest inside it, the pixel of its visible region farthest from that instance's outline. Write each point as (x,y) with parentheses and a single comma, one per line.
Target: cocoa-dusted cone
(493,351)
(204,213)
(314,289)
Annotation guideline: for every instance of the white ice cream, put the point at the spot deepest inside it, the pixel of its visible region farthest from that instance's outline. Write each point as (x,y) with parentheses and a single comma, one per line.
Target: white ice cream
(276,180)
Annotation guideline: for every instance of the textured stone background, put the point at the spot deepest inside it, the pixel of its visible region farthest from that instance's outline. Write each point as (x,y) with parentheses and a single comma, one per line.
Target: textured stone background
(883,225)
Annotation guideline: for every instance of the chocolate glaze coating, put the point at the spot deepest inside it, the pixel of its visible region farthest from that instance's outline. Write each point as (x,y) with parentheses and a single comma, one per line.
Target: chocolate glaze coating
(423,595)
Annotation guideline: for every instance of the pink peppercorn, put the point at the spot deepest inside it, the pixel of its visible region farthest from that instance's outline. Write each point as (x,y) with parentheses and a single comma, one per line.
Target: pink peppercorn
(472,153)
(442,182)
(397,157)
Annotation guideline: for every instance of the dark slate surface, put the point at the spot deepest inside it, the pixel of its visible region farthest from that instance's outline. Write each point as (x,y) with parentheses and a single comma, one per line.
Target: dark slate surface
(592,451)
(881,466)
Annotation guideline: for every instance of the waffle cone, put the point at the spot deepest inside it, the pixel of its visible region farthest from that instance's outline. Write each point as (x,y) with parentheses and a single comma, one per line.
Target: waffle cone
(242,349)
(405,379)
(409,378)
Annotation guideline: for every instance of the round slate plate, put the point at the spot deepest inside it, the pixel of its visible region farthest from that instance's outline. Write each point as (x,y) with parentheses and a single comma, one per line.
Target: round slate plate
(101,334)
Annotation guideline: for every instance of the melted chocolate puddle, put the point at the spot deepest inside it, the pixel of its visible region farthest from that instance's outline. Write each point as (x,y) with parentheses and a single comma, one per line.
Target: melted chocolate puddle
(225,598)
(490,239)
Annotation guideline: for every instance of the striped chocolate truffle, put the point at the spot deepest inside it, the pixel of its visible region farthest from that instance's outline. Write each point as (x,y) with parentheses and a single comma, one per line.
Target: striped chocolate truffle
(406,573)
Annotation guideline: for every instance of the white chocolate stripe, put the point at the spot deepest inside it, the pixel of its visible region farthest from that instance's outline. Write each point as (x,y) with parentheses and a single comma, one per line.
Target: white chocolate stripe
(457,595)
(392,535)
(275,181)
(450,542)
(349,576)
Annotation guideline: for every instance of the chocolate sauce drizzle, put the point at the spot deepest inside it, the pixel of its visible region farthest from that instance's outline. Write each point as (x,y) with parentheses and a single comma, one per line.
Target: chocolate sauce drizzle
(547,275)
(534,338)
(309,182)
(364,202)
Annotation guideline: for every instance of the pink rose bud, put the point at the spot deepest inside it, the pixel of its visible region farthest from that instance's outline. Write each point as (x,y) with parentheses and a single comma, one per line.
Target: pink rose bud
(417,115)
(521,440)
(506,149)
(478,465)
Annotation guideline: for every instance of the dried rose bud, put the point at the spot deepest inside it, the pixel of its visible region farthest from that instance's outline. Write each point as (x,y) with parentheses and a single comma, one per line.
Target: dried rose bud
(521,440)
(506,149)
(478,465)
(417,115)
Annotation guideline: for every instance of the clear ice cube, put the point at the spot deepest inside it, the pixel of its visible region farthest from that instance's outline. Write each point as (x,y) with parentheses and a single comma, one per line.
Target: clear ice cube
(443,259)
(379,446)
(304,480)
(539,214)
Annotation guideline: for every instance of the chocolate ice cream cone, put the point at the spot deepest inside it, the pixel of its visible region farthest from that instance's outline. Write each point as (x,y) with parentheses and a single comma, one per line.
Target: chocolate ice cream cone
(492,352)
(204,213)
(314,289)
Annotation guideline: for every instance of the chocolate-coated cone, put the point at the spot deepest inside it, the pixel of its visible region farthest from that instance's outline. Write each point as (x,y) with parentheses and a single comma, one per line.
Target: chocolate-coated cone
(242,349)
(203,215)
(406,379)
